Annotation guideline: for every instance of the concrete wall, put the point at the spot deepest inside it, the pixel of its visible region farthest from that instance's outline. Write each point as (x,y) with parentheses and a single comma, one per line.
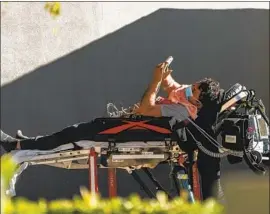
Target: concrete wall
(98,53)
(31,38)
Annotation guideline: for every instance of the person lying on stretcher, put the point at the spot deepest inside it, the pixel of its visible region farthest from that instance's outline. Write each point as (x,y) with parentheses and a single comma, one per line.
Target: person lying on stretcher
(183,101)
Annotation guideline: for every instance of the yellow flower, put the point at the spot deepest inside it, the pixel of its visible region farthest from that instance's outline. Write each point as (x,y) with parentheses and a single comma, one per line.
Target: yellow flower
(54,8)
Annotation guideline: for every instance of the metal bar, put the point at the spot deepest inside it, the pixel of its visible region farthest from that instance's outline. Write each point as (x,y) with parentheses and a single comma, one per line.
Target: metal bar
(129,156)
(156,183)
(57,160)
(93,179)
(112,183)
(142,184)
(196,182)
(61,154)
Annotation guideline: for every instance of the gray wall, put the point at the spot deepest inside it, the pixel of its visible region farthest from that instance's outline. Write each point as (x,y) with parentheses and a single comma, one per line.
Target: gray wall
(228,45)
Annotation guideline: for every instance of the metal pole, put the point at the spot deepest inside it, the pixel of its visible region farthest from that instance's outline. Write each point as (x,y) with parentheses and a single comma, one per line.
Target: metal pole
(196,182)
(112,183)
(93,178)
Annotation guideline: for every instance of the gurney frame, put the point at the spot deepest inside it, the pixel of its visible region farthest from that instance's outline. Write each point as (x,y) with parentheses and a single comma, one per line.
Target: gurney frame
(88,159)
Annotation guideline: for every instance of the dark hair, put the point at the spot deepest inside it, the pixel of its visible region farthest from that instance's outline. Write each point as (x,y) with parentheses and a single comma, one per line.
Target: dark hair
(210,89)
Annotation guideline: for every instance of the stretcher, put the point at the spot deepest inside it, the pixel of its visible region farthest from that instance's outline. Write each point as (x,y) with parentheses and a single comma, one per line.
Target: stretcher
(134,142)
(124,156)
(117,152)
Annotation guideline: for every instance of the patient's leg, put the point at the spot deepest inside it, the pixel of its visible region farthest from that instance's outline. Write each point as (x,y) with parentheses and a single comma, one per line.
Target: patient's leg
(77,132)
(7,142)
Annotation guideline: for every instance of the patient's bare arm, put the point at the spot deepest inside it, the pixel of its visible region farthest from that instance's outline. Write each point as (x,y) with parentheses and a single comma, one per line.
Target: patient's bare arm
(148,103)
(148,106)
(169,84)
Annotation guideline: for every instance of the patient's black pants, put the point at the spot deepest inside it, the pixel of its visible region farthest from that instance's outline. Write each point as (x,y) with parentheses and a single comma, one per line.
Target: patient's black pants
(71,134)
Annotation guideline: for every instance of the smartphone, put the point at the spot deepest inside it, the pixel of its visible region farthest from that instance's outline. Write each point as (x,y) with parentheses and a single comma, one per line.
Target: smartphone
(169,60)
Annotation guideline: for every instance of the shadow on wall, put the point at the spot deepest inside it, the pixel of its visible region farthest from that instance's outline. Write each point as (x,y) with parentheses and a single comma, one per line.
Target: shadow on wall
(229,45)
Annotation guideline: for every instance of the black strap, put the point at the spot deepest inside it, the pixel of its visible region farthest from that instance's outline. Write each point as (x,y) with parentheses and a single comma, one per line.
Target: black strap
(180,125)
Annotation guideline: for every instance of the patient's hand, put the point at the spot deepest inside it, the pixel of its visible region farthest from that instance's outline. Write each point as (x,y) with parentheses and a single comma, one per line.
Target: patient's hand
(161,72)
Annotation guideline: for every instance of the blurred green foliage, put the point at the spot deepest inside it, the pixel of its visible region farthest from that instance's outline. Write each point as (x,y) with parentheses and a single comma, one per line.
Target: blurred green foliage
(94,204)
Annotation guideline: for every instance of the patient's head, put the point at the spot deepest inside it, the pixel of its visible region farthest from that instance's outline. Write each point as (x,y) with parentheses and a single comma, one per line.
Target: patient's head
(206,90)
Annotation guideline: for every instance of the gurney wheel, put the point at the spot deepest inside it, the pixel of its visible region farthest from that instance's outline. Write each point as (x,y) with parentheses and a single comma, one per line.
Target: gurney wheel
(254,161)
(256,156)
